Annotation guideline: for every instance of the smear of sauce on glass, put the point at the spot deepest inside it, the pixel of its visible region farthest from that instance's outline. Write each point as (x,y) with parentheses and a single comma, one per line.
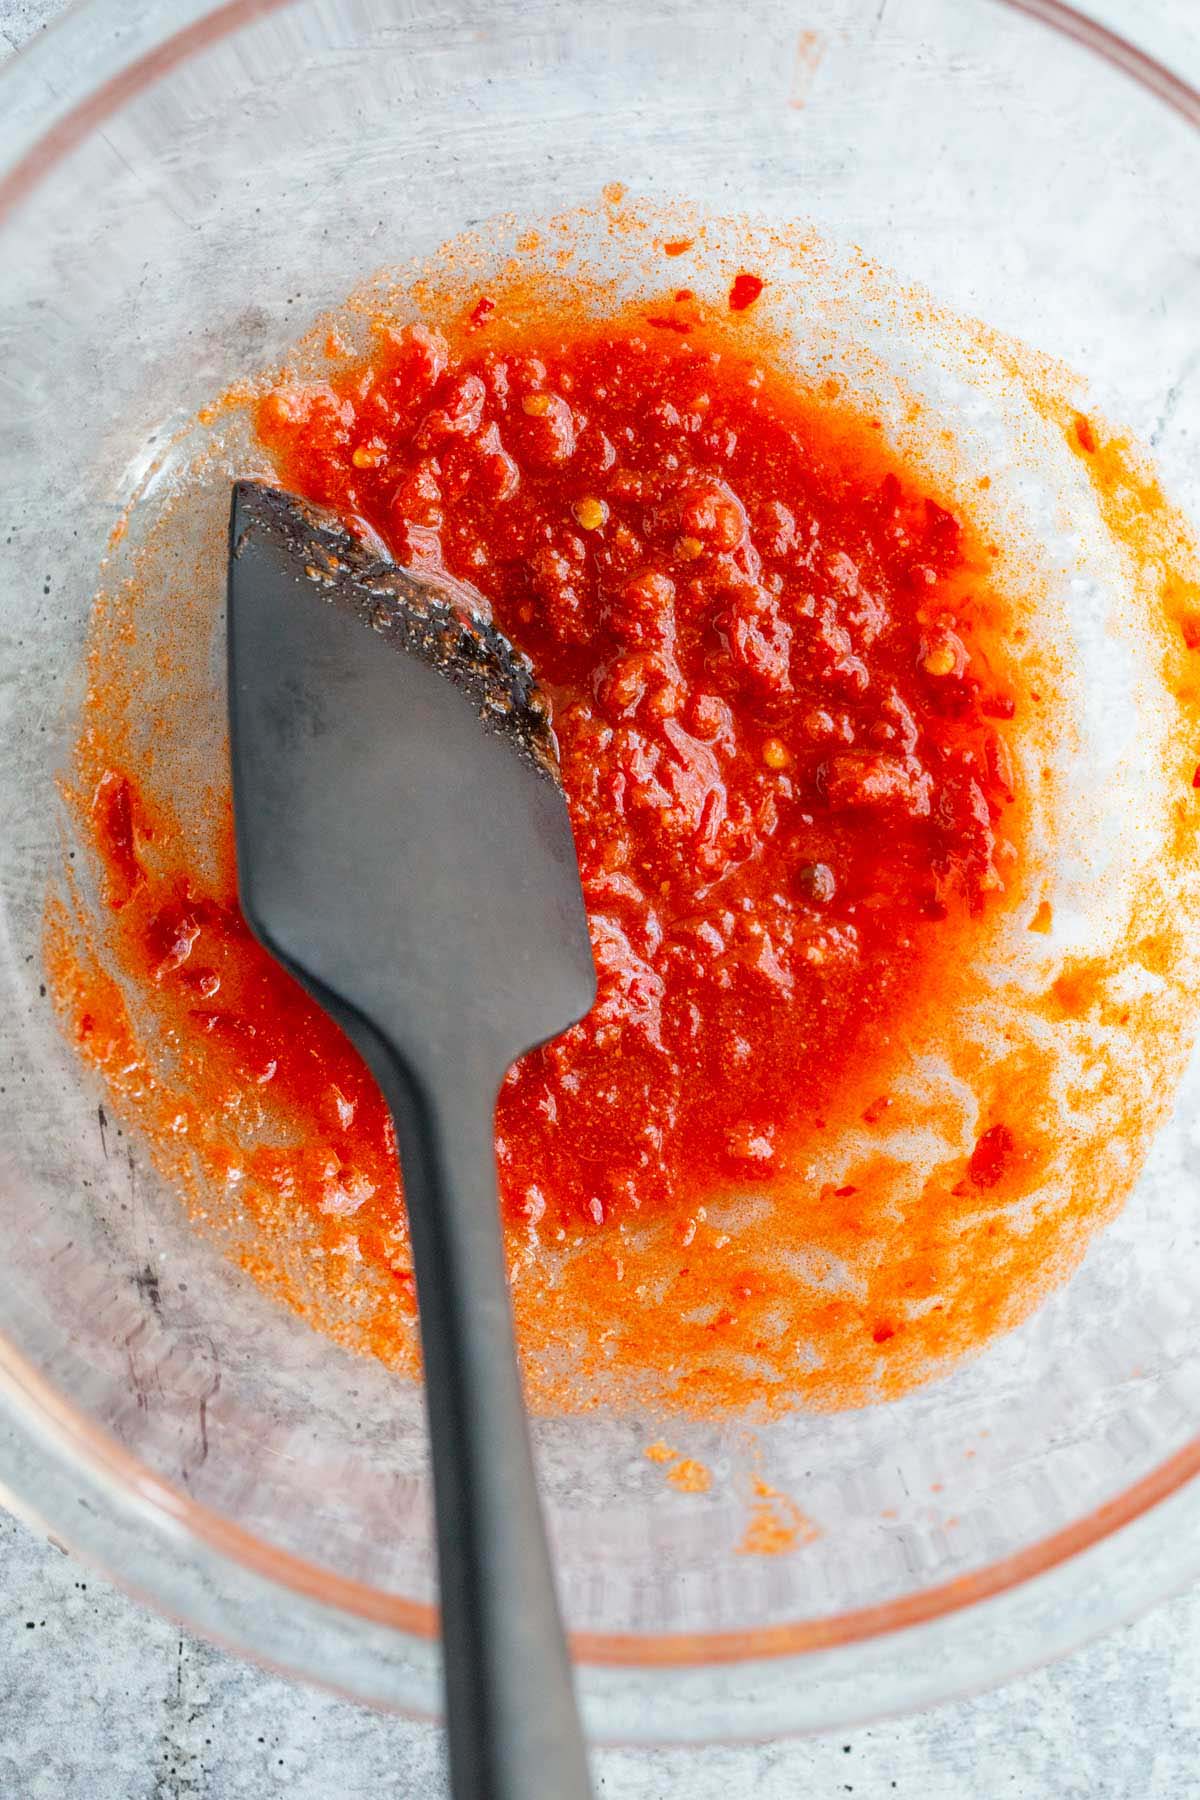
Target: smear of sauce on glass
(787,718)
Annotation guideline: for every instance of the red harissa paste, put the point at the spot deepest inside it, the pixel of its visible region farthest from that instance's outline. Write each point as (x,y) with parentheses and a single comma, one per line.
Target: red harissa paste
(810,1147)
(781,757)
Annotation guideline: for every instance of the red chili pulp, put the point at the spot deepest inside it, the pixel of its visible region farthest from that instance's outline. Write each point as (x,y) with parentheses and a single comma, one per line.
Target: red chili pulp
(777,735)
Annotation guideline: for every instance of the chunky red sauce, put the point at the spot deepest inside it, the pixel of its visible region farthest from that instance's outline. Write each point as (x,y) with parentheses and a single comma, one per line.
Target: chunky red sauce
(775,740)
(781,739)
(782,688)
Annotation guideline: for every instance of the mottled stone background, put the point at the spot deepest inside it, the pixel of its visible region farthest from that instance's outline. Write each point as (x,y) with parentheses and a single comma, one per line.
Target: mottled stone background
(102,1701)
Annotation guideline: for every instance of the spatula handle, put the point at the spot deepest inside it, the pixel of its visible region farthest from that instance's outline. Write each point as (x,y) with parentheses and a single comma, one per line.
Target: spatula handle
(513,1723)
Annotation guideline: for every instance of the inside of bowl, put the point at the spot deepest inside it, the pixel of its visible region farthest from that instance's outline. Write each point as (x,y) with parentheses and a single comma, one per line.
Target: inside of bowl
(207,221)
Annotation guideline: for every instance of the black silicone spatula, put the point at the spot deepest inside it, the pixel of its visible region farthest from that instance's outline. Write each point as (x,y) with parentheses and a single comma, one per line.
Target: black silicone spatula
(404,849)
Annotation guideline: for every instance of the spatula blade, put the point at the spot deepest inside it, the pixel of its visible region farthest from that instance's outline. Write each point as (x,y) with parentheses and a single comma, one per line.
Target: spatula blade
(400,825)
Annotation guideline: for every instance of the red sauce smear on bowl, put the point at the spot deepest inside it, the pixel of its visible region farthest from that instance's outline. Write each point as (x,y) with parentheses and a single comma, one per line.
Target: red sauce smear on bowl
(745,291)
(777,659)
(771,658)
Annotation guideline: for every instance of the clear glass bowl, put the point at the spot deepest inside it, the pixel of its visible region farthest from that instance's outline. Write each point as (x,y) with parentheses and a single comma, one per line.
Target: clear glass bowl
(182,188)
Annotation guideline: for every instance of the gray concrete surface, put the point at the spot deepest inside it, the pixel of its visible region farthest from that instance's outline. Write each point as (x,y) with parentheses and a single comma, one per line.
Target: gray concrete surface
(100,1700)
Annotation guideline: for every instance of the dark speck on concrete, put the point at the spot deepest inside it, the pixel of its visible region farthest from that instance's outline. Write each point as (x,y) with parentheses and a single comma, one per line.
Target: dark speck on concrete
(147,1284)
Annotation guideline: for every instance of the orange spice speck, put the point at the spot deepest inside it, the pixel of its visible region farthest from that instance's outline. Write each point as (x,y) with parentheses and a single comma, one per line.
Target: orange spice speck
(690,1477)
(993,1155)
(744,292)
(776,1524)
(1084,435)
(1077,988)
